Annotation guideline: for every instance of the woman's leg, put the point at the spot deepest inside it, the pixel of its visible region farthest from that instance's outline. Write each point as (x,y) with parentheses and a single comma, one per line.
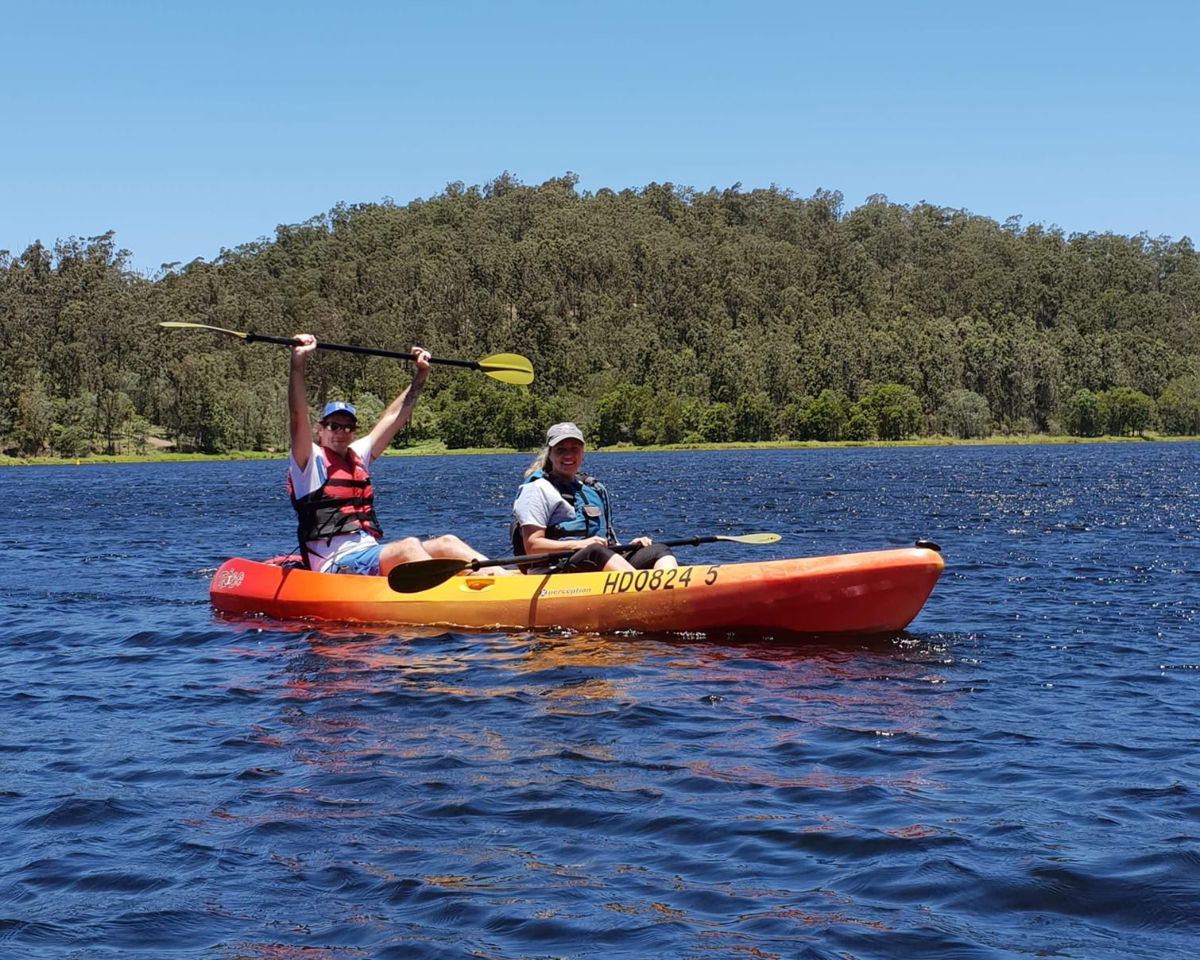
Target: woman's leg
(596,558)
(655,556)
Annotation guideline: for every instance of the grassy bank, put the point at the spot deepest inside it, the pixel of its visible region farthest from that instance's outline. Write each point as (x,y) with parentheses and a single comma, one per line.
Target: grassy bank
(1026,440)
(437,448)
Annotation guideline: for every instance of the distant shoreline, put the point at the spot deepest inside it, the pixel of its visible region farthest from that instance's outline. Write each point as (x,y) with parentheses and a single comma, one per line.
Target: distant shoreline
(438,449)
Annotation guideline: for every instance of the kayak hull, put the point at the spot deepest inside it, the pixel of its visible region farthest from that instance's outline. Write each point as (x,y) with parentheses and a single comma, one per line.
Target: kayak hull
(857,593)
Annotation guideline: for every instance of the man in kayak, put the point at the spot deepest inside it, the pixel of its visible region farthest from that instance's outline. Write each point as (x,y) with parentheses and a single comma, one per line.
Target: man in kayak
(561,508)
(330,486)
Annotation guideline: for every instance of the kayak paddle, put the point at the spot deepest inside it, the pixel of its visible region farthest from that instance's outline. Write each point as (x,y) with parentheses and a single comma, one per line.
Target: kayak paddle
(426,574)
(505,367)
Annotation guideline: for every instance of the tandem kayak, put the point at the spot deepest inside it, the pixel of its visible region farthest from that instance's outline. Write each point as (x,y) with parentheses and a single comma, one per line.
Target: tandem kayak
(855,593)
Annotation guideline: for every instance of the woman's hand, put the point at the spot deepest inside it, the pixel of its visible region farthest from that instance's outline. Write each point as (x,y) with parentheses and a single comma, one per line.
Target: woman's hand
(641,541)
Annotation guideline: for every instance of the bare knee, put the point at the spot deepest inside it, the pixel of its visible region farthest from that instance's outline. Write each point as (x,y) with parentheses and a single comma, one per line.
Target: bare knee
(397,552)
(448,545)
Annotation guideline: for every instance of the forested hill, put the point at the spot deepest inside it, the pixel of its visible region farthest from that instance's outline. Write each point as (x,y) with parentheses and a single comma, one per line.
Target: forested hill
(653,315)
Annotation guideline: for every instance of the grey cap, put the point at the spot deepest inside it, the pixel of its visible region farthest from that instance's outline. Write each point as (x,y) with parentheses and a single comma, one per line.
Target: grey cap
(563,431)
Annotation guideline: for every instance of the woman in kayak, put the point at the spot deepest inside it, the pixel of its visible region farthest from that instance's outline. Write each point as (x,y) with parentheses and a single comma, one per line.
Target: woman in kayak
(330,487)
(559,508)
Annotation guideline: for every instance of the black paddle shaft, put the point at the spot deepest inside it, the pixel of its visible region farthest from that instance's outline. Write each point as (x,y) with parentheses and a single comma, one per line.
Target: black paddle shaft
(252,337)
(616,548)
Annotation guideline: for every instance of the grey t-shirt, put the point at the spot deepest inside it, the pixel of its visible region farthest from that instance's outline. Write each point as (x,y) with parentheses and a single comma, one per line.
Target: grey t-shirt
(540,505)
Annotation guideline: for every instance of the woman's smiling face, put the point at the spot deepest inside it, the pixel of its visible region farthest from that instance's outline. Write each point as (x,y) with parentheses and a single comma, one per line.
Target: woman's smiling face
(566,456)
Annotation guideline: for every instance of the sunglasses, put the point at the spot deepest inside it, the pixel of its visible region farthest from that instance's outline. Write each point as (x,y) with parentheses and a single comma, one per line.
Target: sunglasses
(340,427)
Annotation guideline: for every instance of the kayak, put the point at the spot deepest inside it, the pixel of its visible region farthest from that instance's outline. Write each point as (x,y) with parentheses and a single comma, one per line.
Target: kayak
(855,593)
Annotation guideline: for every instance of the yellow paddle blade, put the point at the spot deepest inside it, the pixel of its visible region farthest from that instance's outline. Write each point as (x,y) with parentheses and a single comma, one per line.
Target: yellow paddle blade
(754,538)
(184,325)
(508,368)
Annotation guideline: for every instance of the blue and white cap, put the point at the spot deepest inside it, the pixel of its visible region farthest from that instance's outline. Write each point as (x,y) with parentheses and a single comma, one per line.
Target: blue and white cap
(338,406)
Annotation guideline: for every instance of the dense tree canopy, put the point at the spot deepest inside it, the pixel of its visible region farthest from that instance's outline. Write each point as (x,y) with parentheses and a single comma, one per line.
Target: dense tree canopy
(655,315)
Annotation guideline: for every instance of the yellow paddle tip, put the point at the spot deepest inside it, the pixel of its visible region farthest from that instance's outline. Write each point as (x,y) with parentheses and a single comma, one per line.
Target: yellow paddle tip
(508,368)
(188,325)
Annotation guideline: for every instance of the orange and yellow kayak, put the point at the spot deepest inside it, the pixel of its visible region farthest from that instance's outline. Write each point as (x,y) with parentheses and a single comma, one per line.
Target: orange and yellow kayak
(855,593)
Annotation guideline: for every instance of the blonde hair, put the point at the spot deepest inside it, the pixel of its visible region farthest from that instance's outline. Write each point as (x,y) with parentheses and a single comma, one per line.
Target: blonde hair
(539,462)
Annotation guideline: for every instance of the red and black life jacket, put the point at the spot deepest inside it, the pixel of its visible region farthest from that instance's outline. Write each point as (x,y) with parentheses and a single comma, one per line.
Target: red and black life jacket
(343,504)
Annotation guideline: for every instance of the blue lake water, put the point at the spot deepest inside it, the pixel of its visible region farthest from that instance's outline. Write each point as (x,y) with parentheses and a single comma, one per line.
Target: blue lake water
(1017,775)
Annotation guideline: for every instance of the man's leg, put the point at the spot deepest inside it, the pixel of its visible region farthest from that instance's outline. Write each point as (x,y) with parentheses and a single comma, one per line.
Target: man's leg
(401,551)
(450,547)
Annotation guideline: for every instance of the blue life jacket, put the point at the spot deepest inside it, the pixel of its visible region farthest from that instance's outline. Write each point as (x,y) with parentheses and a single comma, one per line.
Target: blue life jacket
(587,496)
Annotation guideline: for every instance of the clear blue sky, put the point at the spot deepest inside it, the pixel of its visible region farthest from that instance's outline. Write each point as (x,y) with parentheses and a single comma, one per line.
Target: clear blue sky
(189,126)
